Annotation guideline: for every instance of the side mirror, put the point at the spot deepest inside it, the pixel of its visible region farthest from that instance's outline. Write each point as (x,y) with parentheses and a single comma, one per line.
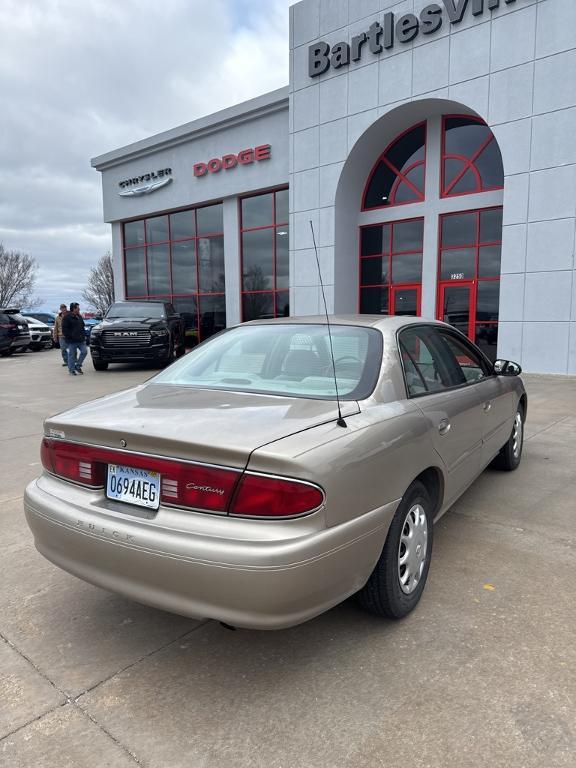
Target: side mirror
(507,368)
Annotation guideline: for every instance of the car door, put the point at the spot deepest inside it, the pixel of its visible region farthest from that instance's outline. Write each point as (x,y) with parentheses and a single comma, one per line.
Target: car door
(452,408)
(496,396)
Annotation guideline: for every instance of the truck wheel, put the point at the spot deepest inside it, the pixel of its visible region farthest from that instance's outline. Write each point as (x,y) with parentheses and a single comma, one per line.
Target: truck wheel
(6,352)
(399,577)
(99,366)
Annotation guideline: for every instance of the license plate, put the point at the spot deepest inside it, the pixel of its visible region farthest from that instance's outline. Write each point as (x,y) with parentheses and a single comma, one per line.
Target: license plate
(133,486)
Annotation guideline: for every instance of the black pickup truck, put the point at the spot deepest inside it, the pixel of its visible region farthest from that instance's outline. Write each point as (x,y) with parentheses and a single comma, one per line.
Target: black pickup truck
(137,331)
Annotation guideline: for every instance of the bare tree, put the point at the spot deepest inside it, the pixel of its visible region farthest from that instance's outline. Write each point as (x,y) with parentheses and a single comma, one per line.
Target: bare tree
(17,279)
(99,293)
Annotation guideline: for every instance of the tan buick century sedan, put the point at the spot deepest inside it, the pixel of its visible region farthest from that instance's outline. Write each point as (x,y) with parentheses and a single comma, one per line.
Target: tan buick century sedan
(227,486)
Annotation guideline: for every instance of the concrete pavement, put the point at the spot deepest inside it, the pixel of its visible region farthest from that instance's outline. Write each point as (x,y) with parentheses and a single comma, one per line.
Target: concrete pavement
(483,673)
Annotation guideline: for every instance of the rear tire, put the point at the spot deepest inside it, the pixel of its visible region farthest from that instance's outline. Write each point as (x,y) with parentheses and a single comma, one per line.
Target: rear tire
(99,366)
(6,352)
(399,577)
(510,454)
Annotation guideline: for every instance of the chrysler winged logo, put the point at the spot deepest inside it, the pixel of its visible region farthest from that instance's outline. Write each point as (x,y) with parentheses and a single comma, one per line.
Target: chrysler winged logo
(145,189)
(145,183)
(125,333)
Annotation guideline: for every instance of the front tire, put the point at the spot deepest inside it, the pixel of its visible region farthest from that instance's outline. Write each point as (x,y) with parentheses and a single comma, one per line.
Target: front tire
(510,454)
(99,366)
(398,579)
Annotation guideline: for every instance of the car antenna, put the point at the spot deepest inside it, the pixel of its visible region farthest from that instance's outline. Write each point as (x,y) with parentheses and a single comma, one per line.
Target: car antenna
(340,422)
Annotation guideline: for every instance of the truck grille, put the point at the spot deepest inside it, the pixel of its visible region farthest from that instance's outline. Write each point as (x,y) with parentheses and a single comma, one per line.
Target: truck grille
(139,338)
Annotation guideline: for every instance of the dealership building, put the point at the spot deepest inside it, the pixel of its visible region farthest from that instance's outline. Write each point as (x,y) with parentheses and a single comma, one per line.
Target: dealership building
(430,150)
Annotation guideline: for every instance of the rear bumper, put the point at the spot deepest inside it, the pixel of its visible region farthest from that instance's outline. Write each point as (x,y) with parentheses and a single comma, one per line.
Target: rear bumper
(20,341)
(248,578)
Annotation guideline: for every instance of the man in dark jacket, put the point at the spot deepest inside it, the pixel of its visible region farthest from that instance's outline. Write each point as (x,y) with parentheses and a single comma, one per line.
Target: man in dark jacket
(75,334)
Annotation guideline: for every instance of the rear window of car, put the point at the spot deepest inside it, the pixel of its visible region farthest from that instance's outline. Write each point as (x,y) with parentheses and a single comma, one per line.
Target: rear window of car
(283,359)
(18,319)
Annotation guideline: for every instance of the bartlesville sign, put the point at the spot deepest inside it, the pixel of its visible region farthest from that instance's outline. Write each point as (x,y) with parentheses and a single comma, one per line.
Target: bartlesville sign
(401,29)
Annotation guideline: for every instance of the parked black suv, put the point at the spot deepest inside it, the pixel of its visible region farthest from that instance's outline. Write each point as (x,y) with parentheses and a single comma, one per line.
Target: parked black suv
(14,333)
(137,331)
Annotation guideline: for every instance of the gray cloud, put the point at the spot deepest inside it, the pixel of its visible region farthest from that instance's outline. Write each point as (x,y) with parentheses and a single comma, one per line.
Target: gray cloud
(78,79)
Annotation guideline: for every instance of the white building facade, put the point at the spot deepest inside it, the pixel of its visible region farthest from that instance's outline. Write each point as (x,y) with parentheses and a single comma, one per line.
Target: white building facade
(432,146)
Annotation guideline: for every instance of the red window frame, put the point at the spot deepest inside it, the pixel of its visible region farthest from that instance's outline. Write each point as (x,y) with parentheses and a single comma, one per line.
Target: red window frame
(469,162)
(170,296)
(390,253)
(473,283)
(274,226)
(400,177)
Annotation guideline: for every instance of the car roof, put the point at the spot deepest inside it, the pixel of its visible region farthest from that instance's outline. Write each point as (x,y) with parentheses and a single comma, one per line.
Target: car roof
(386,323)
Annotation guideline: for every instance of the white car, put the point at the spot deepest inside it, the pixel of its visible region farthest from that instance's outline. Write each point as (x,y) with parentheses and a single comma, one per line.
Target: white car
(40,334)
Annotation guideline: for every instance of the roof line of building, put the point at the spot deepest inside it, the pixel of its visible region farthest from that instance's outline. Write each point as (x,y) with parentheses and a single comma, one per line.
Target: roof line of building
(267,103)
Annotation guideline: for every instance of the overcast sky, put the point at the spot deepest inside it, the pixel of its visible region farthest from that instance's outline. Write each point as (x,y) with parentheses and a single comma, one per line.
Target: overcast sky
(82,77)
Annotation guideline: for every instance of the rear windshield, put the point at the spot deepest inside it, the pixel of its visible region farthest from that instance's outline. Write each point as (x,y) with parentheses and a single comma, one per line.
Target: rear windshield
(18,319)
(284,360)
(135,310)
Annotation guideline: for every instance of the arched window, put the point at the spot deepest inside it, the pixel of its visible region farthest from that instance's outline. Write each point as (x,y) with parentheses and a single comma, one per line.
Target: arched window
(471,159)
(398,177)
(397,248)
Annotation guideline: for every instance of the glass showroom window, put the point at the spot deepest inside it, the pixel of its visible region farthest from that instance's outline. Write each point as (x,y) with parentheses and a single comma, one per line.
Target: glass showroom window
(391,268)
(469,274)
(462,152)
(471,159)
(265,238)
(398,178)
(179,257)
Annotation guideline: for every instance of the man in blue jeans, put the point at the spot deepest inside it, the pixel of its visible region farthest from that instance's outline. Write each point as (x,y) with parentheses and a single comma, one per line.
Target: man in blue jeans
(75,335)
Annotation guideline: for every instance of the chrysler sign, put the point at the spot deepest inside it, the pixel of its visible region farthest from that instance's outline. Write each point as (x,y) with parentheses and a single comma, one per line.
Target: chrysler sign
(146,183)
(401,29)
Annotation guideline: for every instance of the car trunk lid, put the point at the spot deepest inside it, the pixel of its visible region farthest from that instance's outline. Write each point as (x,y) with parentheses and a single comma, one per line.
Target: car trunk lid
(209,426)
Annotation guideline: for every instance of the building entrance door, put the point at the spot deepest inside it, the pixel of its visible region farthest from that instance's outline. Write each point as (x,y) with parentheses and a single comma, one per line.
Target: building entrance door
(456,306)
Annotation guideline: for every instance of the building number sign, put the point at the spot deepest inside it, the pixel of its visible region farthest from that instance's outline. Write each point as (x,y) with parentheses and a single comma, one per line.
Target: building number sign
(457,276)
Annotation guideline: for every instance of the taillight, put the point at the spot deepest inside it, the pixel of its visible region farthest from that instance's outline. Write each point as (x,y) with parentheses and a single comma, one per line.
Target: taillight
(185,484)
(196,486)
(72,462)
(263,496)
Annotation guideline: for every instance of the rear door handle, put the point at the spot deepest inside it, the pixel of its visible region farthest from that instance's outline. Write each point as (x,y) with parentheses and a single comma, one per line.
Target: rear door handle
(444,427)
(487,406)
